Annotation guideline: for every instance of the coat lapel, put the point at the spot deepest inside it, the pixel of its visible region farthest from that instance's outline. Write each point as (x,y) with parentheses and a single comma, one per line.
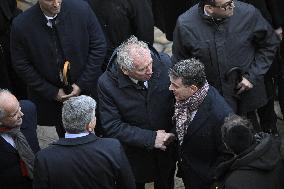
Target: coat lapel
(200,117)
(153,82)
(6,147)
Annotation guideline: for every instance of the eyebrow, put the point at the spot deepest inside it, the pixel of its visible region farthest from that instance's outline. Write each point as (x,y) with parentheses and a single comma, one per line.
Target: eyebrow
(15,113)
(145,66)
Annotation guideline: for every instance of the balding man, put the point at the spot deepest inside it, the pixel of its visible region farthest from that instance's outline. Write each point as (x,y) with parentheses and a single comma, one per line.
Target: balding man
(18,141)
(136,108)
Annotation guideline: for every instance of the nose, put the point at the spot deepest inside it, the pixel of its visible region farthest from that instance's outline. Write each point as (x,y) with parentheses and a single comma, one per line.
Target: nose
(170,87)
(21,114)
(149,70)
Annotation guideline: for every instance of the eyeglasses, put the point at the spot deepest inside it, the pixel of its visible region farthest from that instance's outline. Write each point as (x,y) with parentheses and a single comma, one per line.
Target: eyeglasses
(225,5)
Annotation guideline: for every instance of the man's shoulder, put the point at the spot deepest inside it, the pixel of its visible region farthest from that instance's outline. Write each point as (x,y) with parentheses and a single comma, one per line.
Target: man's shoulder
(244,10)
(218,104)
(27,16)
(73,5)
(189,16)
(107,79)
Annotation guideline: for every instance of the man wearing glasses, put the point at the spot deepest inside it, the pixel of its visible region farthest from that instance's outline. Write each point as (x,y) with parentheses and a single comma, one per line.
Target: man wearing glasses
(237,46)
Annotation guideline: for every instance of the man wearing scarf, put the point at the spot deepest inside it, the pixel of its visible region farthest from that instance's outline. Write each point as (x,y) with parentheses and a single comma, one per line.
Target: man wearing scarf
(18,141)
(199,113)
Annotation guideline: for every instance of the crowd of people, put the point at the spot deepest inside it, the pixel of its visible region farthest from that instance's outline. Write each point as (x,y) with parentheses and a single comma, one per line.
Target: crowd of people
(126,114)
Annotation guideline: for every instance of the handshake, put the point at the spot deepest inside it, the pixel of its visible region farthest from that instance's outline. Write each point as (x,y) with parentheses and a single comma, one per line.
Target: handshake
(163,139)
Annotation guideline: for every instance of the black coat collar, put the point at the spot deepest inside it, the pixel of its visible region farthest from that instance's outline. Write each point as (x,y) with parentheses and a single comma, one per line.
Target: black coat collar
(76,141)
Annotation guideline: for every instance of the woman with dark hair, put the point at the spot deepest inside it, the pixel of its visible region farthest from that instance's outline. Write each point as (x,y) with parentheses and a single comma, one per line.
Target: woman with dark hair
(257,162)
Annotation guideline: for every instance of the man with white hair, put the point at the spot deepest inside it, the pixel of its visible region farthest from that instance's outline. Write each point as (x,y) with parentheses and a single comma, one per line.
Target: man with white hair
(136,108)
(18,141)
(81,158)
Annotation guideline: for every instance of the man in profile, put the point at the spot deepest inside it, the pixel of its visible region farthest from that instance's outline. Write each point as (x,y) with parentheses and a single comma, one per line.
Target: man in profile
(18,141)
(199,114)
(136,107)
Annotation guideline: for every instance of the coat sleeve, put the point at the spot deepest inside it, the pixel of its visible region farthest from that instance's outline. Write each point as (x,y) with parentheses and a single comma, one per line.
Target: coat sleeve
(142,20)
(40,173)
(97,51)
(114,126)
(181,43)
(265,42)
(24,68)
(125,176)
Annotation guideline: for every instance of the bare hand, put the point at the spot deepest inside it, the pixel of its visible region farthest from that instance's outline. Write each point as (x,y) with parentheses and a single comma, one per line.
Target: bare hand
(244,85)
(163,139)
(279,33)
(169,138)
(75,92)
(159,141)
(60,95)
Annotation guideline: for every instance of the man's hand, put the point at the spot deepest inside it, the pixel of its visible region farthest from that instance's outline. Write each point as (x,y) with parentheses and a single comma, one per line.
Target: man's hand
(244,85)
(163,139)
(279,33)
(60,94)
(75,92)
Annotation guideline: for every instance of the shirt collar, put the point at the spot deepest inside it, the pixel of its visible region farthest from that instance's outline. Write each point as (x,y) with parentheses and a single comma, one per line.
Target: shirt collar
(69,135)
(136,81)
(48,18)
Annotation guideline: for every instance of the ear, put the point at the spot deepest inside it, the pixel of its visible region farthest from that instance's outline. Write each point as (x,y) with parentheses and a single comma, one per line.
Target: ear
(124,71)
(208,9)
(194,88)
(91,126)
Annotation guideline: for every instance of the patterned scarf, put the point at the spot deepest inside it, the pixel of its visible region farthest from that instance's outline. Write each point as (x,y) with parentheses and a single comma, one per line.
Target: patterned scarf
(25,152)
(184,109)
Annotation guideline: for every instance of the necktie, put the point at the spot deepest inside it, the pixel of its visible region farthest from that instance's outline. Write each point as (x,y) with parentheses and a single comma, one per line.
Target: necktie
(141,84)
(142,88)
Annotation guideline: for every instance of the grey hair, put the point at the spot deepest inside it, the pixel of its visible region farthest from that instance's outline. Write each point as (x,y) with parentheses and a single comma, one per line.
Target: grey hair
(77,112)
(123,53)
(2,111)
(191,71)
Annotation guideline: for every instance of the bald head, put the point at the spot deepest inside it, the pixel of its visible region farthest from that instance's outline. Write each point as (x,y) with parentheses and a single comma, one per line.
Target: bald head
(10,110)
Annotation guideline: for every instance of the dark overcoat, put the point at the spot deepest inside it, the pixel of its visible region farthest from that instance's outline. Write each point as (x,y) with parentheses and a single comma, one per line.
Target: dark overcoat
(166,13)
(34,53)
(83,163)
(245,41)
(133,118)
(258,167)
(9,79)
(202,147)
(10,172)
(122,18)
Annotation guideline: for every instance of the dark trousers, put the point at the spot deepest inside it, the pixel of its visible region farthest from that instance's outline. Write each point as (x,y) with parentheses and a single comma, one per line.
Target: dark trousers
(281,89)
(281,79)
(267,115)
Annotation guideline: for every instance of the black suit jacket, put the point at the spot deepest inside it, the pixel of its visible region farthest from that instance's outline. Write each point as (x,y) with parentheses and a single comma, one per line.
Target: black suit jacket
(202,146)
(10,173)
(82,163)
